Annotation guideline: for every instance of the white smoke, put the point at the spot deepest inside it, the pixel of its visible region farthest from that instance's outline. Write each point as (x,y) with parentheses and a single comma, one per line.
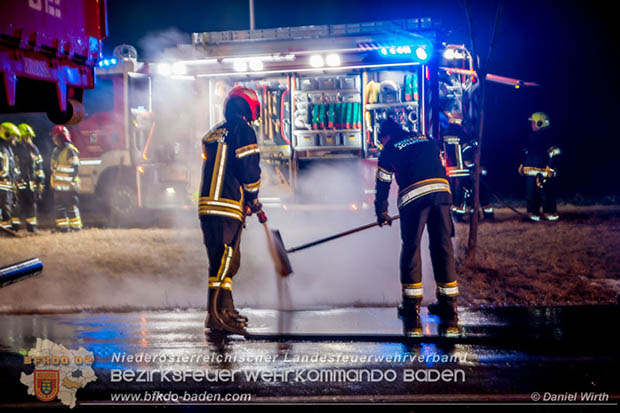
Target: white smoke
(361,269)
(154,44)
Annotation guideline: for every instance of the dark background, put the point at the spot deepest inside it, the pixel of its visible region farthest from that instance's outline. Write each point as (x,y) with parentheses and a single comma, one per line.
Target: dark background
(568,47)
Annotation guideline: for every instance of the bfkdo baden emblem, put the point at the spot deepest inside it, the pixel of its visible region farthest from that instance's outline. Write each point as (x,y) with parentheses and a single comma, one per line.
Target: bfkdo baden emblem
(46,384)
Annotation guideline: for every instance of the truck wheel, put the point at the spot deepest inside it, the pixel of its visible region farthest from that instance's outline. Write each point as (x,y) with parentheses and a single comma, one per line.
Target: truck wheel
(122,204)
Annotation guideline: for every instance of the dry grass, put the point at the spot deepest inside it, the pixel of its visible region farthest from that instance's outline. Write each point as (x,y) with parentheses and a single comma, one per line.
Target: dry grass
(574,261)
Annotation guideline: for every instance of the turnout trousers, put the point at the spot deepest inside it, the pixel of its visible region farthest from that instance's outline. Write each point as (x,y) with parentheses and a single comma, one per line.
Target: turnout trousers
(27,210)
(537,196)
(67,211)
(413,219)
(222,237)
(6,208)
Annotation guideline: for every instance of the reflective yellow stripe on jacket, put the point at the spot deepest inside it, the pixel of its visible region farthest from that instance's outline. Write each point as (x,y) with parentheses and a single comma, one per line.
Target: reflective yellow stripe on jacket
(214,204)
(422,188)
(63,169)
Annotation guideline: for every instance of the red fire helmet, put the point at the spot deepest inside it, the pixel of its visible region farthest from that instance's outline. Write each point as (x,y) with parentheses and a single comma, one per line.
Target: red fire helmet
(61,131)
(250,97)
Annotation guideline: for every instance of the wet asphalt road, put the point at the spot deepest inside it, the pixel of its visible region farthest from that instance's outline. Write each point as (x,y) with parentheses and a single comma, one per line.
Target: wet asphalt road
(346,355)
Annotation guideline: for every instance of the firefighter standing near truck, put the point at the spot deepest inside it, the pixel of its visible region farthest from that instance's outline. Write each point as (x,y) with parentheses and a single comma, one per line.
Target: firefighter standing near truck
(9,173)
(453,131)
(32,178)
(540,168)
(64,180)
(229,193)
(424,199)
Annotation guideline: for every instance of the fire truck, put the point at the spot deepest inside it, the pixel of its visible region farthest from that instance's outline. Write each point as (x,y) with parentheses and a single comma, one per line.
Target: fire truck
(48,52)
(324,90)
(129,159)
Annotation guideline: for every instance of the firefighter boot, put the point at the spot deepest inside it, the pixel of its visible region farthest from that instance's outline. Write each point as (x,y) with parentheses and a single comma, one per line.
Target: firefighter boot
(229,303)
(15,224)
(210,321)
(445,307)
(448,326)
(488,213)
(412,326)
(551,217)
(410,307)
(220,316)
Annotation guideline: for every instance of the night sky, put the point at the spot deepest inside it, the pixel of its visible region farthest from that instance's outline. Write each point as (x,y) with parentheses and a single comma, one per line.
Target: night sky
(567,47)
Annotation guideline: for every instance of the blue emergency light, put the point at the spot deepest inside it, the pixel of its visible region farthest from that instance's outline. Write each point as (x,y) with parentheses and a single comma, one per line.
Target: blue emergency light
(107,62)
(420,52)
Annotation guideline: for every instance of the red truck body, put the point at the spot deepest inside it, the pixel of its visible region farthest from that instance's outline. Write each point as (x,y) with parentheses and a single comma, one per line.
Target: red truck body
(48,51)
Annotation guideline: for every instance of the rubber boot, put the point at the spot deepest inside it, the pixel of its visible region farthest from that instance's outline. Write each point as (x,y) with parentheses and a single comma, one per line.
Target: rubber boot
(412,326)
(221,315)
(229,303)
(488,213)
(409,307)
(448,326)
(210,321)
(444,307)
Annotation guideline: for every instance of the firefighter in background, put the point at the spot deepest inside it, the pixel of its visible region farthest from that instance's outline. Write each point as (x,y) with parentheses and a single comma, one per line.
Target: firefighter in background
(459,151)
(424,198)
(229,193)
(540,168)
(9,173)
(464,201)
(64,180)
(31,183)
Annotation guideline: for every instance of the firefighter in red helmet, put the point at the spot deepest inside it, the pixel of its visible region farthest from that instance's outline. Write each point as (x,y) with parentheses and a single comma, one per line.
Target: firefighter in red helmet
(64,180)
(229,193)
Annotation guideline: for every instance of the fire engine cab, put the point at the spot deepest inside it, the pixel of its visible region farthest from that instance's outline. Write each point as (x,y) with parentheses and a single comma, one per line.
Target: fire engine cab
(127,159)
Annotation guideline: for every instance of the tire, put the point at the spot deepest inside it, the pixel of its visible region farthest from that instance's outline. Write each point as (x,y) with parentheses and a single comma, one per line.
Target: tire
(122,204)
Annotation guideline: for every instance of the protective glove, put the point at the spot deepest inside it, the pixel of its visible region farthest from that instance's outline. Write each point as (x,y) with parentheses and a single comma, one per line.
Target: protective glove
(384,219)
(252,207)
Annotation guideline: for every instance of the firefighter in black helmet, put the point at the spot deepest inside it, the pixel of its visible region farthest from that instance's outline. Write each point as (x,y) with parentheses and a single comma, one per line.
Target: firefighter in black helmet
(540,168)
(229,193)
(424,199)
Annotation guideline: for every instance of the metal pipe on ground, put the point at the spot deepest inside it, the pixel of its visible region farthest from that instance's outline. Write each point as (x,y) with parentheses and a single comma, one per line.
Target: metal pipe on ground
(20,271)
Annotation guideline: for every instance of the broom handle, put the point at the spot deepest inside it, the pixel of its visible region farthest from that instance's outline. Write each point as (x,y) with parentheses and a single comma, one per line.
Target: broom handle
(342,234)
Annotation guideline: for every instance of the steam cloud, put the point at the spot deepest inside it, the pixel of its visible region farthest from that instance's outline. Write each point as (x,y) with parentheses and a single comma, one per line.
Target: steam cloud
(358,270)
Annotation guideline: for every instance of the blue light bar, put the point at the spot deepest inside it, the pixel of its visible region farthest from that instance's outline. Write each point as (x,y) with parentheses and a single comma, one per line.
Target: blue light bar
(107,62)
(420,52)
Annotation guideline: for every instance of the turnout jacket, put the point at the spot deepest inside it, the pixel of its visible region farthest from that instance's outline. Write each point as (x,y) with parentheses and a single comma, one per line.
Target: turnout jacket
(9,172)
(65,165)
(541,154)
(416,164)
(31,166)
(231,170)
